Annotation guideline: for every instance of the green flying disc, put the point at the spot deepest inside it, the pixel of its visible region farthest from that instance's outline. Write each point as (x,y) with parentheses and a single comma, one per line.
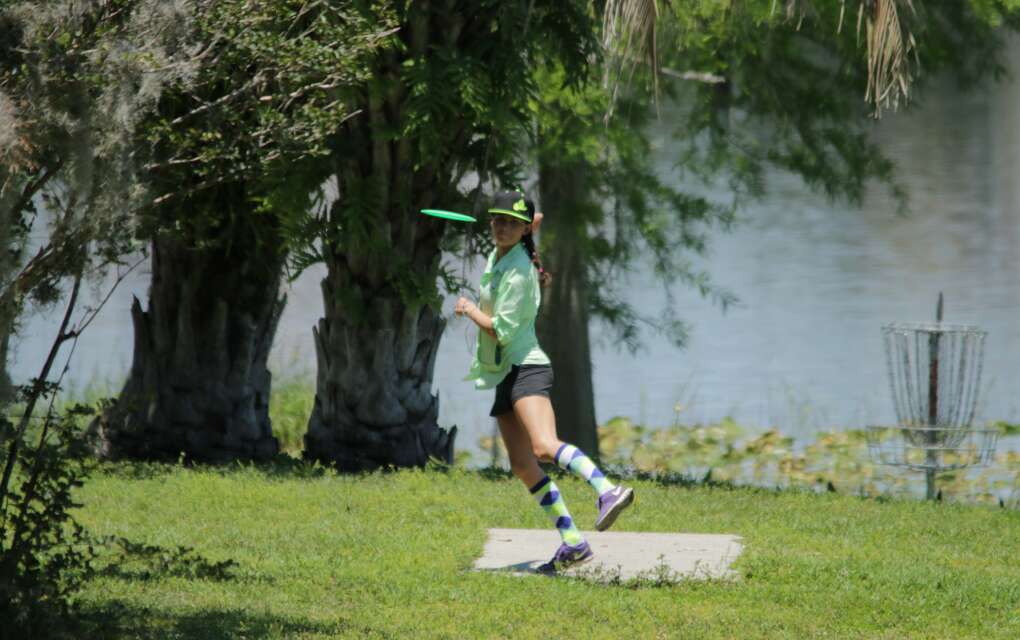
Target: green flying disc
(449,215)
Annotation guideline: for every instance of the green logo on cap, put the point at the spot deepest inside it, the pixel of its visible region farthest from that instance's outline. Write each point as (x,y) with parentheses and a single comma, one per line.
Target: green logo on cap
(521,205)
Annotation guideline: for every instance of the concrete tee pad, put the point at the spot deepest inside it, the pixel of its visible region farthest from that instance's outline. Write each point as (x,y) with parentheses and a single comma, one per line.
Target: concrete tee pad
(618,554)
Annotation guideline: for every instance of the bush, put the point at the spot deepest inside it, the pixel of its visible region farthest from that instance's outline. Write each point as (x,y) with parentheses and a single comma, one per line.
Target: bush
(45,555)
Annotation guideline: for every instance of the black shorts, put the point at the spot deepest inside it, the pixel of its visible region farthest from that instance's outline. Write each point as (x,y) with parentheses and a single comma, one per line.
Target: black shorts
(523,380)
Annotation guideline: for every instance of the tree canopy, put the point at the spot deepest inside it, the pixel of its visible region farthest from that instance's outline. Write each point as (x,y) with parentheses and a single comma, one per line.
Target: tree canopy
(211,126)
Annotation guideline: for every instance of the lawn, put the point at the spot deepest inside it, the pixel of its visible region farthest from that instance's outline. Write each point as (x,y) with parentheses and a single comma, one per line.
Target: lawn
(388,555)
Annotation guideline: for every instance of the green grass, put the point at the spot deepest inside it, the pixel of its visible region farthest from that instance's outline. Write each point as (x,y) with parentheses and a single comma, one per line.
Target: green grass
(320,555)
(290,405)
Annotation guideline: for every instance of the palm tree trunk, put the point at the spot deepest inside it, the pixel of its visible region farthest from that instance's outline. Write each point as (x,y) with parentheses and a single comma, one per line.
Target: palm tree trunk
(373,402)
(563,320)
(375,348)
(199,382)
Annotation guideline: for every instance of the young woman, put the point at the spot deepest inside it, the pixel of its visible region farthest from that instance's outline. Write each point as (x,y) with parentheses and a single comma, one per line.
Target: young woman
(509,359)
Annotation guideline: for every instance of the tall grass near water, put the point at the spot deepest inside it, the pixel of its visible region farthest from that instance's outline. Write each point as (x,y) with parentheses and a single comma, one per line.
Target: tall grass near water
(837,460)
(290,406)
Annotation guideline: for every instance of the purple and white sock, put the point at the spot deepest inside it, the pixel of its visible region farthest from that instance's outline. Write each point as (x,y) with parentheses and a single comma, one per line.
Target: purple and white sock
(550,499)
(572,459)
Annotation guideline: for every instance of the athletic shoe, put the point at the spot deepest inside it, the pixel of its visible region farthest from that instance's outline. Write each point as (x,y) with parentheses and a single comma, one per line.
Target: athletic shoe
(610,505)
(566,557)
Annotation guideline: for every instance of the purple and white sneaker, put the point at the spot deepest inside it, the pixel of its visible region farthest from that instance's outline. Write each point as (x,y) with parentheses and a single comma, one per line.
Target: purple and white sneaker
(566,557)
(610,505)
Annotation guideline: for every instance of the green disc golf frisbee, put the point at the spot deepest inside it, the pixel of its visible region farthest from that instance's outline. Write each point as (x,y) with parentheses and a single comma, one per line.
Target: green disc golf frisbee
(449,215)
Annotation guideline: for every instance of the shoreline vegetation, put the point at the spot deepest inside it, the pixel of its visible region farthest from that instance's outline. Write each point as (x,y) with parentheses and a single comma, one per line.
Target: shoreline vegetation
(726,452)
(723,452)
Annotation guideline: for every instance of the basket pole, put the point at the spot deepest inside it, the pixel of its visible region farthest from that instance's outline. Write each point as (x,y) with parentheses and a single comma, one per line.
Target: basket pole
(933,401)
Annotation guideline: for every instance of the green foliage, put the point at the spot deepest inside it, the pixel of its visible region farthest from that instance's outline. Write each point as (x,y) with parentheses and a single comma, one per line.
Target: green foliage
(835,461)
(262,100)
(235,154)
(791,91)
(45,554)
(290,406)
(1006,428)
(996,13)
(745,89)
(68,99)
(624,214)
(449,99)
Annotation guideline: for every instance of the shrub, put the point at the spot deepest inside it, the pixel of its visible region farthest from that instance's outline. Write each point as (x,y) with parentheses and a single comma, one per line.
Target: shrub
(45,555)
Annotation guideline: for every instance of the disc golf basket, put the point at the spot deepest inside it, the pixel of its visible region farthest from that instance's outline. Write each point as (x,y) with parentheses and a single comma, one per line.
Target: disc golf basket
(935,377)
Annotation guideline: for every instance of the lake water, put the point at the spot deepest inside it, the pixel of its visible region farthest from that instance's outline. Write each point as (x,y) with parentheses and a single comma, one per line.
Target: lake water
(816,279)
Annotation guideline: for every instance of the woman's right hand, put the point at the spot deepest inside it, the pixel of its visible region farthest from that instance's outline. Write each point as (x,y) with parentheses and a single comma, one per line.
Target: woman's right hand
(463,306)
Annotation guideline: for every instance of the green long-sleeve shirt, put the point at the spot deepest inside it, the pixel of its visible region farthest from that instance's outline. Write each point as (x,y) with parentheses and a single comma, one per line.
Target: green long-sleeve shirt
(511,295)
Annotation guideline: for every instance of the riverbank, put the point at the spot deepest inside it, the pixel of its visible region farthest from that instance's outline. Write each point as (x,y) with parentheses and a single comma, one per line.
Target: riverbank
(294,551)
(833,460)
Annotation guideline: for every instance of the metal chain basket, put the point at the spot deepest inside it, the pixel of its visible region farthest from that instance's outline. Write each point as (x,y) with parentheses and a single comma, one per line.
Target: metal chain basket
(935,379)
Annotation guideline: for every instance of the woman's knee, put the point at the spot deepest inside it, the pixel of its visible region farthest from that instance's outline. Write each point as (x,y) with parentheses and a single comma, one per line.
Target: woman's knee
(545,450)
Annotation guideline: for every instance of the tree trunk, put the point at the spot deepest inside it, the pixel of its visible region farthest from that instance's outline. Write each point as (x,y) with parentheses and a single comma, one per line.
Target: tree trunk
(376,355)
(5,379)
(373,403)
(11,247)
(199,383)
(562,325)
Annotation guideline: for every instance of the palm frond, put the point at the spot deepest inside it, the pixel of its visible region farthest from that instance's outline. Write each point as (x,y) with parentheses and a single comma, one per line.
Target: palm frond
(628,35)
(890,44)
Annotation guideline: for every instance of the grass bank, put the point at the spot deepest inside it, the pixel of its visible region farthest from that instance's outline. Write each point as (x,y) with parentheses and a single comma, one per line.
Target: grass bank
(320,555)
(837,459)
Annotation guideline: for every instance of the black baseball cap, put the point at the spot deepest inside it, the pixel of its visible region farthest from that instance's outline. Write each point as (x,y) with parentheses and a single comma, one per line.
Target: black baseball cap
(515,204)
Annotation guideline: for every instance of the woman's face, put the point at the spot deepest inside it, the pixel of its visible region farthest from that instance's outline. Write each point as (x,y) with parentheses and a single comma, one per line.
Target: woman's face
(507,231)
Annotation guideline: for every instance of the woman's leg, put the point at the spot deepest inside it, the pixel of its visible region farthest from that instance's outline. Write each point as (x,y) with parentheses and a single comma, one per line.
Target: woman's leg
(518,446)
(535,413)
(525,467)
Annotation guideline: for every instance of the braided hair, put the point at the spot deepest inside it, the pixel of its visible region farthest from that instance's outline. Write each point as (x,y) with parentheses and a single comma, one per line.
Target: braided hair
(528,240)
(544,277)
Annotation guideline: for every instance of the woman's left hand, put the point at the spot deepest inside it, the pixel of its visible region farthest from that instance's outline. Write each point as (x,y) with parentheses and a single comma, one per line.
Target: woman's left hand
(463,306)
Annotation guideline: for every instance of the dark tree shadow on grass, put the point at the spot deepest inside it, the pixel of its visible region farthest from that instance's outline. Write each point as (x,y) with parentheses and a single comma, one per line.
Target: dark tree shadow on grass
(130,560)
(116,620)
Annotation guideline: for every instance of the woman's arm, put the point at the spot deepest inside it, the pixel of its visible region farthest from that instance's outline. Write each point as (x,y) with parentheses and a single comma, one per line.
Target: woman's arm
(467,308)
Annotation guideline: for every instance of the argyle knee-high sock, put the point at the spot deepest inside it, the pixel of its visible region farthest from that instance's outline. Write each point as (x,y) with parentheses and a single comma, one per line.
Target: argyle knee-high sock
(572,459)
(549,497)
